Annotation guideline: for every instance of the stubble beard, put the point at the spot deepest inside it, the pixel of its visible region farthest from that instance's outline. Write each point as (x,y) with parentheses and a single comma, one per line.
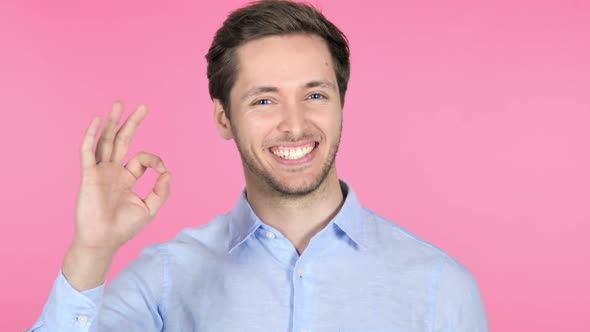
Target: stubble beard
(281,188)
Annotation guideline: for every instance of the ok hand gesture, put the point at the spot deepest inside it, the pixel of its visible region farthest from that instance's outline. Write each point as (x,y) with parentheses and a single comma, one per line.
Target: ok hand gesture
(108,212)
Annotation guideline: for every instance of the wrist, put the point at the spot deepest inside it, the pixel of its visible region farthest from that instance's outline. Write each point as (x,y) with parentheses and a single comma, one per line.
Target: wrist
(86,268)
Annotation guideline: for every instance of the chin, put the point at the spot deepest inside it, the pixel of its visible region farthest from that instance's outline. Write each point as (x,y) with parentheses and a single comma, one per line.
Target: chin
(298,185)
(295,190)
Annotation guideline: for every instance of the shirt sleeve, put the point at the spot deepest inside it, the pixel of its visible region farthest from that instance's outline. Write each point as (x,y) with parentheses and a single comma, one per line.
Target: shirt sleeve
(459,307)
(132,300)
(68,309)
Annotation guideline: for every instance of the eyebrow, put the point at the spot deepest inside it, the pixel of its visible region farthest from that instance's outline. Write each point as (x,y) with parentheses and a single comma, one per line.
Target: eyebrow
(321,84)
(258,90)
(309,85)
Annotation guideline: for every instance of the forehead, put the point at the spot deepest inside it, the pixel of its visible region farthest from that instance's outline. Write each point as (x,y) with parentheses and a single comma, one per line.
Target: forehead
(284,60)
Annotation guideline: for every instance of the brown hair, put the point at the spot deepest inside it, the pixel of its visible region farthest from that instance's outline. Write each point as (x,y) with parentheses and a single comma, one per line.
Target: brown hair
(267,18)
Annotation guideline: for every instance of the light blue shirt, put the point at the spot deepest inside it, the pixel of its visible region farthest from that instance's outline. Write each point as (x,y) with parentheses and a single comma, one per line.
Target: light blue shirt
(360,273)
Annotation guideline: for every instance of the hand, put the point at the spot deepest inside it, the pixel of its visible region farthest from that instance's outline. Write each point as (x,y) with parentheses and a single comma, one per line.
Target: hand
(108,212)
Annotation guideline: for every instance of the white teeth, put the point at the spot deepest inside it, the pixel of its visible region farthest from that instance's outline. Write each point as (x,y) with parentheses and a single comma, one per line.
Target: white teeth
(293,153)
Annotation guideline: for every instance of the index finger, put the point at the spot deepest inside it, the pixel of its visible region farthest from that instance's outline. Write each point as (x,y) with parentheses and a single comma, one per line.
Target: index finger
(87,158)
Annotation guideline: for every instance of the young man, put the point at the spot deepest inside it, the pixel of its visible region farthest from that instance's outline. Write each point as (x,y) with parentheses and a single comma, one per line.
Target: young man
(298,252)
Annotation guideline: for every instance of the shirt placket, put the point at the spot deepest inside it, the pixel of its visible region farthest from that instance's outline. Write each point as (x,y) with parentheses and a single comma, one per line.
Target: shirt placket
(302,296)
(300,273)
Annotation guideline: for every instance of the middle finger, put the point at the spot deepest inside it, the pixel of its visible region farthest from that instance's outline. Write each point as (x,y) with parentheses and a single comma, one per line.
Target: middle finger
(104,147)
(125,134)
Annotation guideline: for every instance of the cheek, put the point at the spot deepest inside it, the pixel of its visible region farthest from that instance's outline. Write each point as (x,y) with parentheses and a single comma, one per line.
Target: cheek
(329,121)
(253,128)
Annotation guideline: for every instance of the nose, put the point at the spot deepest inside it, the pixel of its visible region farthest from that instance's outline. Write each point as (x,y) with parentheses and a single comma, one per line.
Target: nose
(293,119)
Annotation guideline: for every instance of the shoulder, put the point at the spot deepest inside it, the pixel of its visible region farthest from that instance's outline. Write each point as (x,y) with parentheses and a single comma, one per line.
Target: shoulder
(392,239)
(400,245)
(453,292)
(452,288)
(211,238)
(201,241)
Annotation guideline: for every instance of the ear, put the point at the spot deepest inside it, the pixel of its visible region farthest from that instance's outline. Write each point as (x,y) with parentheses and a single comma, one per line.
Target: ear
(221,121)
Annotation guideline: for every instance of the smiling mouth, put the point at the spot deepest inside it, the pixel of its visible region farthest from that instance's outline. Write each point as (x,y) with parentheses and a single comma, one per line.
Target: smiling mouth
(293,152)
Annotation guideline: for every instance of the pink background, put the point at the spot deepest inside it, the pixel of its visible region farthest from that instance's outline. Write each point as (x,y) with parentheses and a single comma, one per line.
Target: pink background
(467,123)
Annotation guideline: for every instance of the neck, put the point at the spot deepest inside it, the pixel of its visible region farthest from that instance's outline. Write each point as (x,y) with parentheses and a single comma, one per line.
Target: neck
(297,218)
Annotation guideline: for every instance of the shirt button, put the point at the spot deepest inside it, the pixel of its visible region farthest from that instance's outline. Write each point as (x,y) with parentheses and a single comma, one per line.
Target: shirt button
(270,235)
(300,273)
(82,319)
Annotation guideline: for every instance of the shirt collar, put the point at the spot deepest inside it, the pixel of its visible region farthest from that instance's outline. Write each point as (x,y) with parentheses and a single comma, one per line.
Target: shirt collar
(350,217)
(244,222)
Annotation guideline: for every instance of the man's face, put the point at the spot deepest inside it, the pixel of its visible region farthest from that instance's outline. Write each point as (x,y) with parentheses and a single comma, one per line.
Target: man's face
(286,116)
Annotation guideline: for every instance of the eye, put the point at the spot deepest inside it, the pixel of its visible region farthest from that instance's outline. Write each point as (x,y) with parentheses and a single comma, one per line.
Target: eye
(262,102)
(316,96)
